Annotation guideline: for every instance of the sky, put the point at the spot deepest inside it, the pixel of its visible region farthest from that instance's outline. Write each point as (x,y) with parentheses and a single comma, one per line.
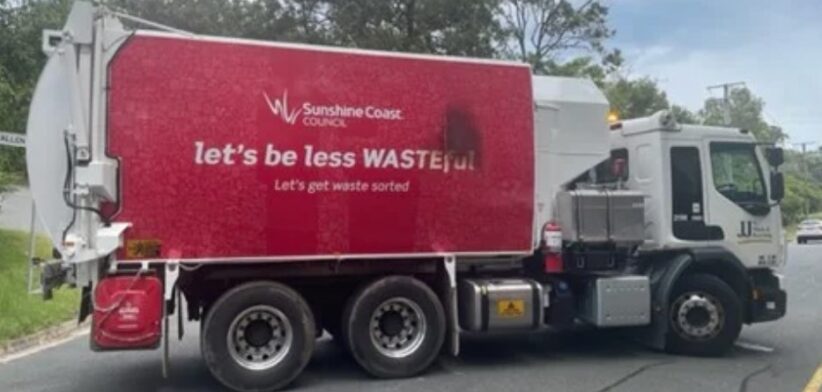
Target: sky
(774,46)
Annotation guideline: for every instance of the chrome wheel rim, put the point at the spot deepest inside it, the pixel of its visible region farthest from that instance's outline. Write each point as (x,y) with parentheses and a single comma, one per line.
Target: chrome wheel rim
(397,327)
(259,337)
(698,316)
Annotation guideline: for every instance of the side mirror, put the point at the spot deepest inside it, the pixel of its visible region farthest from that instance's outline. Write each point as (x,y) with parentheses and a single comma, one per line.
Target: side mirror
(775,156)
(777,186)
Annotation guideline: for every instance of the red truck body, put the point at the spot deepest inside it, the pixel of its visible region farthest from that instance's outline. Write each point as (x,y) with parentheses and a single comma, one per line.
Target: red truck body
(396,202)
(233,149)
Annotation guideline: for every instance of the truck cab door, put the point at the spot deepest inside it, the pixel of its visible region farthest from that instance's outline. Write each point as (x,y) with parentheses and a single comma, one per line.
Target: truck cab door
(738,201)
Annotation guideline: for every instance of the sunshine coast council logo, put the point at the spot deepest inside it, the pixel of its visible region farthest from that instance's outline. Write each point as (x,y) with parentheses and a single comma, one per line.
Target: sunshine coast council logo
(328,116)
(280,109)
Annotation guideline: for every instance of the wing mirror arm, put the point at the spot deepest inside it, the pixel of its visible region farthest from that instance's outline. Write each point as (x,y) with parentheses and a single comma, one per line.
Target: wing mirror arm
(777,186)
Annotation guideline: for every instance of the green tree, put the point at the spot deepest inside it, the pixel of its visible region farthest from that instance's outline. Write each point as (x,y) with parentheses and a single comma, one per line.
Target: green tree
(745,110)
(802,196)
(454,27)
(540,32)
(683,115)
(21,25)
(813,165)
(803,190)
(635,98)
(583,66)
(294,20)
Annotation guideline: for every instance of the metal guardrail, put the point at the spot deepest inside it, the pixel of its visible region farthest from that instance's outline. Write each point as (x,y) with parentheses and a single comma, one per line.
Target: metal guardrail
(19,140)
(34,262)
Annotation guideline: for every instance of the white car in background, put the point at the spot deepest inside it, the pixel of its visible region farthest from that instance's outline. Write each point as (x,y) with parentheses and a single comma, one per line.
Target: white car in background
(809,230)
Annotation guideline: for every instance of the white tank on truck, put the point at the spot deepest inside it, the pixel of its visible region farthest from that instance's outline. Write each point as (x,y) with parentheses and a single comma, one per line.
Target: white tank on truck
(396,201)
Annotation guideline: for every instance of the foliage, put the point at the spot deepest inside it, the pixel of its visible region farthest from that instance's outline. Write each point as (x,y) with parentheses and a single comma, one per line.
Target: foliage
(21,25)
(456,27)
(580,67)
(809,164)
(802,197)
(539,30)
(24,313)
(683,115)
(639,97)
(636,98)
(295,20)
(6,180)
(803,184)
(745,111)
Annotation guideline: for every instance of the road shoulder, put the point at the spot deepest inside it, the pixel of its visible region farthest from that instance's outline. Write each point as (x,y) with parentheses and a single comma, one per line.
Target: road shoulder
(38,341)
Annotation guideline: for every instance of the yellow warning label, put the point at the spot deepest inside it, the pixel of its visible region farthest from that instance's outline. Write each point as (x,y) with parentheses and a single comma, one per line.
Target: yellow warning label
(142,249)
(510,308)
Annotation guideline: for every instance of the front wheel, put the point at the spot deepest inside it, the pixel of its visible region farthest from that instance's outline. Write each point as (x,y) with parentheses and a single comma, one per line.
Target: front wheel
(394,327)
(705,316)
(258,337)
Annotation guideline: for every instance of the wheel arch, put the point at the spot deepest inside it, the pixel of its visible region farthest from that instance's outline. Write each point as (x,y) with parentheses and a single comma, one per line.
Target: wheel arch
(665,271)
(727,267)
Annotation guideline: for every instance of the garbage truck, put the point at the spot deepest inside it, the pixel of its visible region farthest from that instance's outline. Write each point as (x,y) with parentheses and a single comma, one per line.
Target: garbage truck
(273,191)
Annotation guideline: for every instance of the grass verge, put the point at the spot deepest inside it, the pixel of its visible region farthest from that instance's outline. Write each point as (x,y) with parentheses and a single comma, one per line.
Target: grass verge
(21,313)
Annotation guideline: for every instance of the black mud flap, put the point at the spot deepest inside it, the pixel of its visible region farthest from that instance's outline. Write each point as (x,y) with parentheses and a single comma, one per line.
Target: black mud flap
(663,276)
(85,304)
(53,276)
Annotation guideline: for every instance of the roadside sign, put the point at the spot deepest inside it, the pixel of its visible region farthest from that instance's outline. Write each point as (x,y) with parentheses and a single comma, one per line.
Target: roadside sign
(12,139)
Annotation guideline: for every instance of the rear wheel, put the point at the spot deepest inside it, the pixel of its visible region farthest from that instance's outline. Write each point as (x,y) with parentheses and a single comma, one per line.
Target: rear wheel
(394,327)
(705,316)
(258,337)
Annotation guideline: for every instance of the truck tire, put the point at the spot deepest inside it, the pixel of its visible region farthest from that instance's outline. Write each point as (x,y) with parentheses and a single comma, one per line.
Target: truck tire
(258,337)
(705,316)
(394,327)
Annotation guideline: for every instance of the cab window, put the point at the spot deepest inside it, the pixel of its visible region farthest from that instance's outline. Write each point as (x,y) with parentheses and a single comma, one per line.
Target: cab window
(738,177)
(615,168)
(686,191)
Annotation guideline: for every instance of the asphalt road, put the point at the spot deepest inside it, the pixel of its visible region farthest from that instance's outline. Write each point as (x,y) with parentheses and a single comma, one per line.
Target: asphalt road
(579,361)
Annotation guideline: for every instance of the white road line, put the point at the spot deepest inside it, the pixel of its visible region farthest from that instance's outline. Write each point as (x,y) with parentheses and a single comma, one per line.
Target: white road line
(37,349)
(754,347)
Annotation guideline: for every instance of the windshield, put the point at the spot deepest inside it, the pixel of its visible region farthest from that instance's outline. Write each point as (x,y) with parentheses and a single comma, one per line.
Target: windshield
(737,174)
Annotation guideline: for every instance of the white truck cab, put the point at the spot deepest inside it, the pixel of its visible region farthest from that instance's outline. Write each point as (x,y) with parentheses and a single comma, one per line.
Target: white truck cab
(713,183)
(712,218)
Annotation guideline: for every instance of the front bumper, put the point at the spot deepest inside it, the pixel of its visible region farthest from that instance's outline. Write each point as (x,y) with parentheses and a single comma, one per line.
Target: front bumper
(769,300)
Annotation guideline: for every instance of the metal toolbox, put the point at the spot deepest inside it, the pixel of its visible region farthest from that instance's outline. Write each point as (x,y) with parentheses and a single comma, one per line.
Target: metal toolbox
(598,216)
(617,301)
(583,215)
(500,304)
(626,216)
